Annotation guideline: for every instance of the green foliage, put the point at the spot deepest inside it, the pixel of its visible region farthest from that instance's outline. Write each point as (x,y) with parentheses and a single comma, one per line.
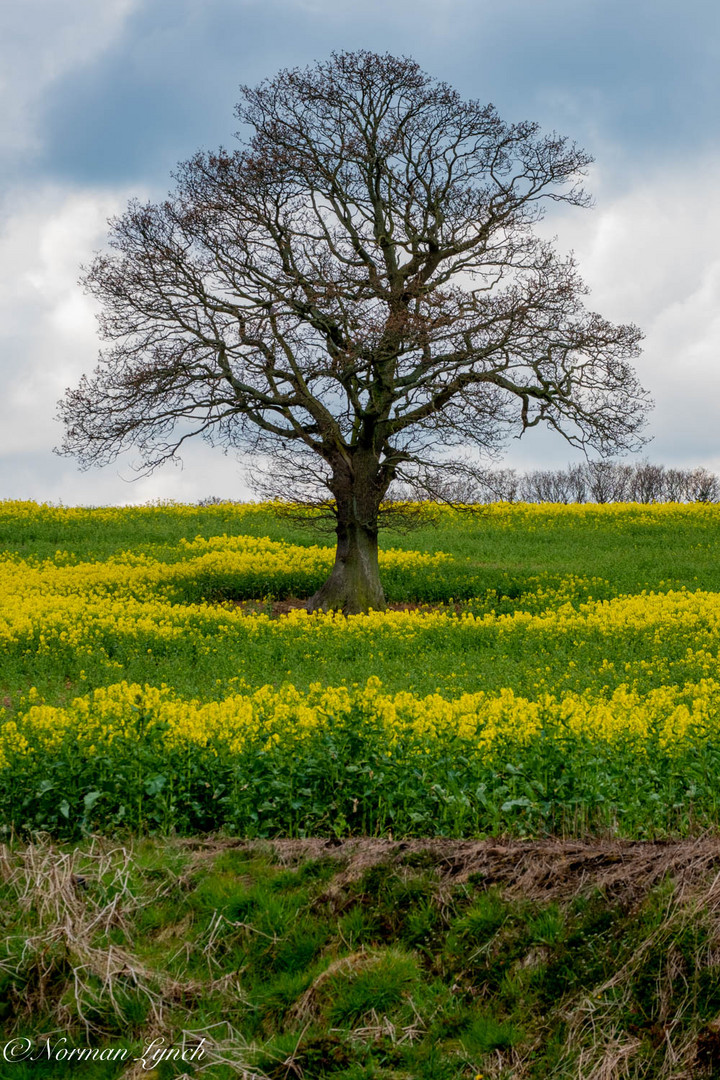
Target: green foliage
(346,781)
(481,921)
(485,1034)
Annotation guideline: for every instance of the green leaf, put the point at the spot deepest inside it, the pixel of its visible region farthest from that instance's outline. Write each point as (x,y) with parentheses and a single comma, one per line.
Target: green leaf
(91,798)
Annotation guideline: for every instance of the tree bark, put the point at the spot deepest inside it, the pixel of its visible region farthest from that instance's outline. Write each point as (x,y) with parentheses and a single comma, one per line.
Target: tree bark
(354,584)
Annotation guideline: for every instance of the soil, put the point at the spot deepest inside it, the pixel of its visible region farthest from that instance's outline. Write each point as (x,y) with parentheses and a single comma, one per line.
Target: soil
(624,871)
(292,603)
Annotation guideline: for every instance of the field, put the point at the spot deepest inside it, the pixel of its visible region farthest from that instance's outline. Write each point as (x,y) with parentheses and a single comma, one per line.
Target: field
(558,673)
(498,801)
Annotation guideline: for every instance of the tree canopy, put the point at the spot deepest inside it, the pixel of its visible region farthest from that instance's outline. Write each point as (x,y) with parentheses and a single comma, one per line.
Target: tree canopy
(358,292)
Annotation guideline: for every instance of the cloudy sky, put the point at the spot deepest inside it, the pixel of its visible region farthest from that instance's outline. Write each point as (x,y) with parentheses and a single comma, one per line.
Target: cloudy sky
(99,101)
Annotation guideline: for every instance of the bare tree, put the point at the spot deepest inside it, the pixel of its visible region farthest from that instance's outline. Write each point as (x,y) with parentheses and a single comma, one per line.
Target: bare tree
(359,286)
(501,485)
(608,481)
(577,483)
(703,486)
(648,482)
(547,485)
(461,485)
(676,484)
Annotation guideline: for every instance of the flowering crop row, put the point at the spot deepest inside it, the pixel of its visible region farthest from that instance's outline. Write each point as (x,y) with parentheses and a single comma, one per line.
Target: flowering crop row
(662,720)
(340,759)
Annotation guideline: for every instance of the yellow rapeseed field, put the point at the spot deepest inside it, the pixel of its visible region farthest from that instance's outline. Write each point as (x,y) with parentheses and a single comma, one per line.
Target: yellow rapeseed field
(117,644)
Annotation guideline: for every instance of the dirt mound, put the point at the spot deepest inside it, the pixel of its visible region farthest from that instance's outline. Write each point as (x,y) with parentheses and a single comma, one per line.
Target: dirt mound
(363,950)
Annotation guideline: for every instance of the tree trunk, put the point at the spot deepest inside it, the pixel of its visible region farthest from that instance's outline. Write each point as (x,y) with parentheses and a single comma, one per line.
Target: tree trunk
(354,584)
(358,484)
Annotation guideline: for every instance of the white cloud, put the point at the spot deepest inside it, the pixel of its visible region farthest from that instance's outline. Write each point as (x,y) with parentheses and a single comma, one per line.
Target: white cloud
(46,324)
(652,247)
(652,257)
(48,339)
(43,477)
(41,40)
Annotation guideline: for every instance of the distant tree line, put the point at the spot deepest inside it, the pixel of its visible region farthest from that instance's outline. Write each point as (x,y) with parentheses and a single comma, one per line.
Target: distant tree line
(596,481)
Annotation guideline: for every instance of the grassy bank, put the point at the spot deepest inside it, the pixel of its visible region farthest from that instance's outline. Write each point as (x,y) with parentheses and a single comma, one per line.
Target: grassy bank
(369,959)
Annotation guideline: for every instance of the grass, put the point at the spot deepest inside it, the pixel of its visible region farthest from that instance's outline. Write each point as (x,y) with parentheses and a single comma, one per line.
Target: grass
(666,542)
(388,962)
(521,560)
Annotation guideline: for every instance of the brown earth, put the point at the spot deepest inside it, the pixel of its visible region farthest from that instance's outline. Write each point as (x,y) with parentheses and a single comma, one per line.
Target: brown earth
(275,608)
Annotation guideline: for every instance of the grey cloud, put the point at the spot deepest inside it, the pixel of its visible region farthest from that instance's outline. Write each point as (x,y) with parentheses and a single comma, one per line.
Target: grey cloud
(627,79)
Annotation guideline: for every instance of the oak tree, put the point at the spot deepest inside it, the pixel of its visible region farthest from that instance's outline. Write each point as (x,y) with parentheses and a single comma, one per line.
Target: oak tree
(358,292)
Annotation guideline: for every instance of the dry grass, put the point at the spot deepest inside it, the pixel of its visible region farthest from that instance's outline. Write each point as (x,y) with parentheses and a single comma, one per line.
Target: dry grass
(69,976)
(624,870)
